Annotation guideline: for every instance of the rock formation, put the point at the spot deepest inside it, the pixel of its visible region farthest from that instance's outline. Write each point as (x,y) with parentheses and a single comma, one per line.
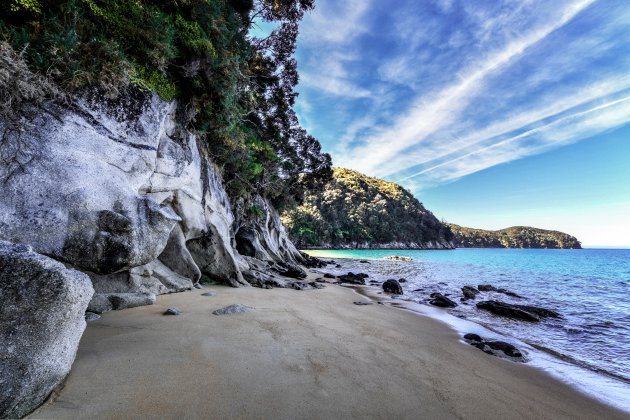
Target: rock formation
(125,195)
(42,318)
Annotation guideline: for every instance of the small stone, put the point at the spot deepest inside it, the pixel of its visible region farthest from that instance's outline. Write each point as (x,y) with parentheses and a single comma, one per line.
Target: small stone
(91,316)
(172,311)
(329,276)
(360,303)
(402,280)
(233,309)
(210,293)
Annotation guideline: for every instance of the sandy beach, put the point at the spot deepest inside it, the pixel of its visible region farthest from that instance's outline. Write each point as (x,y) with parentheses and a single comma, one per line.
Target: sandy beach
(299,354)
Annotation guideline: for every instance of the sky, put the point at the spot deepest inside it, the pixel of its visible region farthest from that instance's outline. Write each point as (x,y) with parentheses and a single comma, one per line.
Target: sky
(493,113)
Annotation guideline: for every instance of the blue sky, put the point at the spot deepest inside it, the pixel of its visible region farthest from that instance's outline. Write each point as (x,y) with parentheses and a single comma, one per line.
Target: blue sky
(492,112)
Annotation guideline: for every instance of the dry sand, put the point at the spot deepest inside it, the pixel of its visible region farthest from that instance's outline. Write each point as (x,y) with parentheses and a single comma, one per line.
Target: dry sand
(298,355)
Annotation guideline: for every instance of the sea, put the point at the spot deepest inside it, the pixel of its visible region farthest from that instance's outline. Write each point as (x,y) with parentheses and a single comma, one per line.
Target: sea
(589,347)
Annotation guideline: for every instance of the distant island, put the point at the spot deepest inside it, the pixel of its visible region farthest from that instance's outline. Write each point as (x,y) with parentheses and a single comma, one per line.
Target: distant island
(354,210)
(512,237)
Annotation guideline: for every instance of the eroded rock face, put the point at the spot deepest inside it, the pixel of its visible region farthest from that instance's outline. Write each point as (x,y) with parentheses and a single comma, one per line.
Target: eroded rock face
(124,194)
(42,318)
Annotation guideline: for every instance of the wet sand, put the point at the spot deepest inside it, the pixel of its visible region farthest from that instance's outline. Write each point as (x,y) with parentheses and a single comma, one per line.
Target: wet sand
(299,354)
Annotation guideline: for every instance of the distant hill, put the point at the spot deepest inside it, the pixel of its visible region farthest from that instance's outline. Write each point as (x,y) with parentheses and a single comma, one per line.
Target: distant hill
(512,237)
(358,211)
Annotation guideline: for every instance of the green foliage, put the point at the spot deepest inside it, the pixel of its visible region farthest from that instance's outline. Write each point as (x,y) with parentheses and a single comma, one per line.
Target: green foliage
(513,237)
(354,208)
(235,92)
(153,81)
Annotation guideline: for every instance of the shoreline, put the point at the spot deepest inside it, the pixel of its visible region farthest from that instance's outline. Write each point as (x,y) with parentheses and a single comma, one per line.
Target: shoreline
(307,354)
(544,360)
(606,387)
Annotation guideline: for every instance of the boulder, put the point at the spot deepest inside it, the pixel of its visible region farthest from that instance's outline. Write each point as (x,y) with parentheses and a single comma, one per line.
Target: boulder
(442,301)
(494,347)
(524,313)
(491,288)
(392,286)
(353,278)
(469,292)
(130,300)
(329,276)
(42,318)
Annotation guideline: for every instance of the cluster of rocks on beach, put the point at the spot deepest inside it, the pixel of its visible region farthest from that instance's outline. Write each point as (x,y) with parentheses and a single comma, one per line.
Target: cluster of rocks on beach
(469,294)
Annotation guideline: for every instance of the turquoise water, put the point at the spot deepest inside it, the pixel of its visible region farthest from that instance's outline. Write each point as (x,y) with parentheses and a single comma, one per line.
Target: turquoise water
(590,288)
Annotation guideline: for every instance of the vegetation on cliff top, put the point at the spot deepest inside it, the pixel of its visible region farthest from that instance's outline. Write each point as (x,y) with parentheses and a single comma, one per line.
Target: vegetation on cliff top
(356,208)
(513,237)
(235,91)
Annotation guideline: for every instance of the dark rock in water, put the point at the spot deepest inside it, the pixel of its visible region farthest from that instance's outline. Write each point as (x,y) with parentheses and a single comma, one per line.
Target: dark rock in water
(506,348)
(392,286)
(316,285)
(362,303)
(42,318)
(329,276)
(402,280)
(320,280)
(91,316)
(508,310)
(510,293)
(491,288)
(418,290)
(233,309)
(472,337)
(364,261)
(541,312)
(353,278)
(338,265)
(210,293)
(172,311)
(493,347)
(441,301)
(375,282)
(469,292)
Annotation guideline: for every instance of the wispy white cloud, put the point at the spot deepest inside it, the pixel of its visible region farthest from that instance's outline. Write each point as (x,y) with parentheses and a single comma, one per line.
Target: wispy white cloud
(565,130)
(442,108)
